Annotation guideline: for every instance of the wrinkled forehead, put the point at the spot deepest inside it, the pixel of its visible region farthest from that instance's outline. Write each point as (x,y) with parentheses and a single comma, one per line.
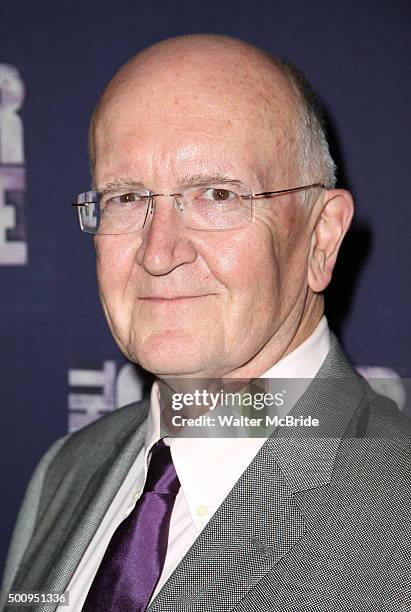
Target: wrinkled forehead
(232,109)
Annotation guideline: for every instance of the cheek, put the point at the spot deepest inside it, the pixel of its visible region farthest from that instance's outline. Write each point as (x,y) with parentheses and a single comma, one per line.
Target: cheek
(284,230)
(115,258)
(224,262)
(245,264)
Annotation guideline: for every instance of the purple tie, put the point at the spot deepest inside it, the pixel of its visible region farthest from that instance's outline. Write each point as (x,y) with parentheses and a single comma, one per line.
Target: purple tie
(134,559)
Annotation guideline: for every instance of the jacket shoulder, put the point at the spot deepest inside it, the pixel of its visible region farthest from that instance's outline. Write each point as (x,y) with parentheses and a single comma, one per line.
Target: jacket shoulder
(99,441)
(376,448)
(385,418)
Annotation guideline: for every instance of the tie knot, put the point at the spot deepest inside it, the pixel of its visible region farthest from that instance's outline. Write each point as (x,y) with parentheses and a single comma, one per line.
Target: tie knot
(161,475)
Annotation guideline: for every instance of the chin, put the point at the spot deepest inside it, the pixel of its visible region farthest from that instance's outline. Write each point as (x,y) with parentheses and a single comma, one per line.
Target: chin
(171,353)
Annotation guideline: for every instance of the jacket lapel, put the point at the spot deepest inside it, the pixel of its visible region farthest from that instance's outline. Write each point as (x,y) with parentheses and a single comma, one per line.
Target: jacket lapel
(239,545)
(260,521)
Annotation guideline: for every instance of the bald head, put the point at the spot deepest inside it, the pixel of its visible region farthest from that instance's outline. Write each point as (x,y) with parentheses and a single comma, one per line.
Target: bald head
(210,77)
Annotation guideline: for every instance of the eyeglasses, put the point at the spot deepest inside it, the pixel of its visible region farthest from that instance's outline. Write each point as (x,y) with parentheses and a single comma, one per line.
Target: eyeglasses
(202,207)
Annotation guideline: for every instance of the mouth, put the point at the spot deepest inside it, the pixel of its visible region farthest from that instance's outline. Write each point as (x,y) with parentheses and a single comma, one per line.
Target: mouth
(176,299)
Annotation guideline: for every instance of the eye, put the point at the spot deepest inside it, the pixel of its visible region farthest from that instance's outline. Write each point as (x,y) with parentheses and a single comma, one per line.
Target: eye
(126,198)
(217,195)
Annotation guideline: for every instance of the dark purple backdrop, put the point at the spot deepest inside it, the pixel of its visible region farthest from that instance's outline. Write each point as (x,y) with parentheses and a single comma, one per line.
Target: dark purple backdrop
(56,352)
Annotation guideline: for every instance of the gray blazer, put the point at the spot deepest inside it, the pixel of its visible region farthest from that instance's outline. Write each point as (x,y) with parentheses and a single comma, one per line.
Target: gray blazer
(314,524)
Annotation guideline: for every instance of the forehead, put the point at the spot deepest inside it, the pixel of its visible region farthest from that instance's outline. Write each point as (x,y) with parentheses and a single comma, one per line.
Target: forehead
(178,119)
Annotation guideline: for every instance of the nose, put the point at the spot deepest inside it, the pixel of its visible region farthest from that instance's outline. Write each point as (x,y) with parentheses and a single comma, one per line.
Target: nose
(165,241)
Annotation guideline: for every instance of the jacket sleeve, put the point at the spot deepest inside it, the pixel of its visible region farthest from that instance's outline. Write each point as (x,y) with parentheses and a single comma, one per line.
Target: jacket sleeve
(26,519)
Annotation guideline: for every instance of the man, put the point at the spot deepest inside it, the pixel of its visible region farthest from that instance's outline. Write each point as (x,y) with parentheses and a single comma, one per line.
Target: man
(217,226)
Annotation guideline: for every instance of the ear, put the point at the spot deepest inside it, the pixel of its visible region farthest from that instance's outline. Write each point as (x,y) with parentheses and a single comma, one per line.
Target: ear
(332,225)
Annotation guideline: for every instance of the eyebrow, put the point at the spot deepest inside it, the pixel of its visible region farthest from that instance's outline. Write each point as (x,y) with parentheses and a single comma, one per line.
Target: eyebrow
(187,180)
(118,185)
(207,179)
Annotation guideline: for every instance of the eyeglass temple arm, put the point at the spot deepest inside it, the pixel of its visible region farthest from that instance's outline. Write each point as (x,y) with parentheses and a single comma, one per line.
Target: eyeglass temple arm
(267,194)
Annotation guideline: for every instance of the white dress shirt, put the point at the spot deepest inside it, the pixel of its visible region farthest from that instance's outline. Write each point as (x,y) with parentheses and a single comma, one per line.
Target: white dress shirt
(198,463)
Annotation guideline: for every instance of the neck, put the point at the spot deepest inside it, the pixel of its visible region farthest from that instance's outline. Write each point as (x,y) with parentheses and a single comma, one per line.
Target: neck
(293,332)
